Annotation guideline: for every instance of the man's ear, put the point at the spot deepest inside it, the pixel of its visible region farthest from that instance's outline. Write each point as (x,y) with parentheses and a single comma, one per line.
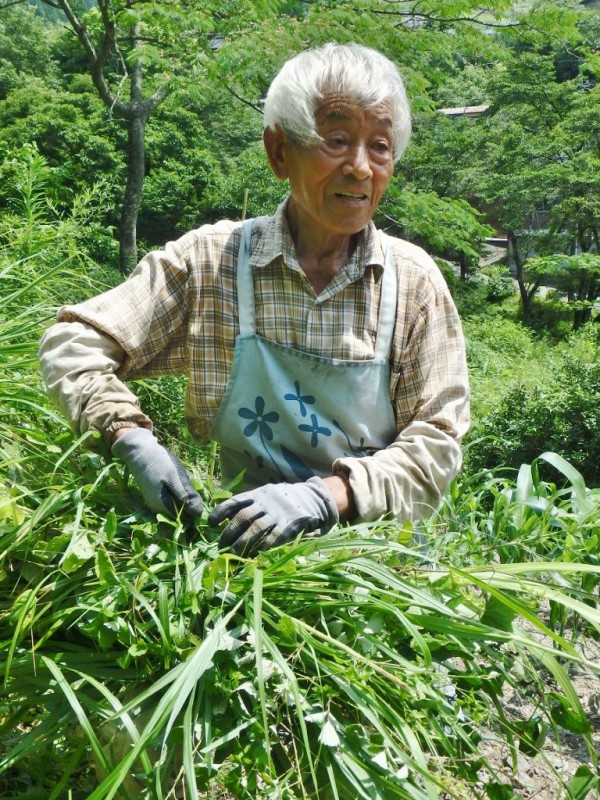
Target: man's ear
(276,144)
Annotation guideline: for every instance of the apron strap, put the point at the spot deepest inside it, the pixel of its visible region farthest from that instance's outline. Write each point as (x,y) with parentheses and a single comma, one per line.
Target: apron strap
(387,302)
(245,284)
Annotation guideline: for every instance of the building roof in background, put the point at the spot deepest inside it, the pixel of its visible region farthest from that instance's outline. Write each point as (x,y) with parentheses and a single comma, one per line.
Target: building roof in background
(464,111)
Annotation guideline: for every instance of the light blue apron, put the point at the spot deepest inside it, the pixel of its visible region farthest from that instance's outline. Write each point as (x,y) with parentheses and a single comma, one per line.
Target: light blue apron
(287,415)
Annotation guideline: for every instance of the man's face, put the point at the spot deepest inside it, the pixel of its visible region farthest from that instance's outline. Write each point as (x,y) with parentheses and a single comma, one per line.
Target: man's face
(337,184)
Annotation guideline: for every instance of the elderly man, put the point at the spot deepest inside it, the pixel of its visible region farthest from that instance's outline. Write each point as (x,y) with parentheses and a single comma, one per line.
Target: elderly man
(325,357)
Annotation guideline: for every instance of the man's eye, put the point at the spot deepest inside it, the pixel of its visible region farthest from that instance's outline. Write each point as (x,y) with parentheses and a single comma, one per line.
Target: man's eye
(335,141)
(382,147)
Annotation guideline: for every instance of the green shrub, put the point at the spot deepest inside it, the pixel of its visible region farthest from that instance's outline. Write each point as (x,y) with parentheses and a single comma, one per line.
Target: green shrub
(49,247)
(449,274)
(250,171)
(502,355)
(563,417)
(553,315)
(478,295)
(500,286)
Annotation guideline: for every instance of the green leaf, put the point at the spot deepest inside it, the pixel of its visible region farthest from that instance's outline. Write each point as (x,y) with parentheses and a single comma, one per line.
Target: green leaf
(78,710)
(499,791)
(564,715)
(109,528)
(137,649)
(286,628)
(498,615)
(582,782)
(531,733)
(79,551)
(127,18)
(575,477)
(104,568)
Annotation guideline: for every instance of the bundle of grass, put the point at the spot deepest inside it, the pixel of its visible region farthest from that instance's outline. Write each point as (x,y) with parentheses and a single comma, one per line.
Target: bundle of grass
(342,666)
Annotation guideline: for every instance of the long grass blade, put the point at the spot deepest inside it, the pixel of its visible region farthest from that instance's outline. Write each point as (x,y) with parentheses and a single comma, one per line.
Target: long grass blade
(78,710)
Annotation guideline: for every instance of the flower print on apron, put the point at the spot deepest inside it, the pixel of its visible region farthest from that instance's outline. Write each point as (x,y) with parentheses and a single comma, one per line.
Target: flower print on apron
(287,415)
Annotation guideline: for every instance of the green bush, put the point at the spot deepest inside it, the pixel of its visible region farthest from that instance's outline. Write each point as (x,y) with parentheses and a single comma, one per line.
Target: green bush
(450,276)
(498,349)
(500,286)
(552,315)
(564,417)
(250,171)
(478,295)
(43,238)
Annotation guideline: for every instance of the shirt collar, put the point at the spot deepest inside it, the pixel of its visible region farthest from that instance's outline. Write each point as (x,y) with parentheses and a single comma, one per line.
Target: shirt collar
(275,240)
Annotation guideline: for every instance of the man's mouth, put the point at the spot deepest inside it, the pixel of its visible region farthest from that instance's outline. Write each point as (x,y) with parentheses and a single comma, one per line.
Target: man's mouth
(351,195)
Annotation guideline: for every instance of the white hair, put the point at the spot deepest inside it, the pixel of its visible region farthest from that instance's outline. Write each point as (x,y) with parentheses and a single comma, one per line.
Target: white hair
(348,70)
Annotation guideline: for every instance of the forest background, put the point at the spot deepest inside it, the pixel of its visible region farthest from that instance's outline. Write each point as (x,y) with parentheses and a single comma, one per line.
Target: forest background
(123,125)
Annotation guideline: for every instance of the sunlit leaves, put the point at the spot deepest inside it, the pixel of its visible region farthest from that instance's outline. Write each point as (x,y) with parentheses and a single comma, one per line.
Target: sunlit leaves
(444,226)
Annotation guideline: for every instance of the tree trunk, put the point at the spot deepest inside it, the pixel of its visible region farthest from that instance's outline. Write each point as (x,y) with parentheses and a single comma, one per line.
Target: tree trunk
(513,250)
(136,111)
(133,191)
(137,115)
(588,291)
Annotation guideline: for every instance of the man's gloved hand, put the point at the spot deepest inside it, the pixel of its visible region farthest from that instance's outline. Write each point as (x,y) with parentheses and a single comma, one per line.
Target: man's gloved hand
(274,514)
(159,474)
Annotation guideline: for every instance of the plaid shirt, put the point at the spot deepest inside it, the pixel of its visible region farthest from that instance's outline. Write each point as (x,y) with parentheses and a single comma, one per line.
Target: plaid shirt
(177,313)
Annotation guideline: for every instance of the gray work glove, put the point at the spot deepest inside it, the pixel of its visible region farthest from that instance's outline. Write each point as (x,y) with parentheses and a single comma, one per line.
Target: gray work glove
(159,474)
(274,514)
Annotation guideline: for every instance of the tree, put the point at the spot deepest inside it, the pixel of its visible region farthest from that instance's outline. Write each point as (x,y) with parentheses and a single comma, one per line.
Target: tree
(74,135)
(511,183)
(530,162)
(449,228)
(144,56)
(138,52)
(576,277)
(24,48)
(542,155)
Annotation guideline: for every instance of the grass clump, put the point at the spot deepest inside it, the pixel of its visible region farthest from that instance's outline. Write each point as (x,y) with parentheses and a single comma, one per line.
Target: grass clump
(345,666)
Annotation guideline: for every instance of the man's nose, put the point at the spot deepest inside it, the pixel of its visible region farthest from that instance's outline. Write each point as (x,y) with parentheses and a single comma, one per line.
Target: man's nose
(358,163)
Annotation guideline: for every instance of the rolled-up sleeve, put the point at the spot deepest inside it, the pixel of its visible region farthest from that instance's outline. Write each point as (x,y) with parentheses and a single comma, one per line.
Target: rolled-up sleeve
(79,366)
(430,395)
(139,326)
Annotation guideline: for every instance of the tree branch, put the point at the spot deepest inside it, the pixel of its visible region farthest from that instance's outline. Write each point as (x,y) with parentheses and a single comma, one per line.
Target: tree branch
(97,58)
(428,17)
(243,99)
(110,36)
(12,3)
(76,24)
(158,96)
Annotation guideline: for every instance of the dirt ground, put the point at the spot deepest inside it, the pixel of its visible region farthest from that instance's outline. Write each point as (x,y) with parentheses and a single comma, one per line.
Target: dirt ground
(541,777)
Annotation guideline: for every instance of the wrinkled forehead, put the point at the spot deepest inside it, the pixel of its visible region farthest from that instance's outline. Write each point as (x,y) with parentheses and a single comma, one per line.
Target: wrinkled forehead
(343,108)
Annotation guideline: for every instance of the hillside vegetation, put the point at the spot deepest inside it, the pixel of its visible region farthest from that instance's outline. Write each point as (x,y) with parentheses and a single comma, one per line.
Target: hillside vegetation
(379,661)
